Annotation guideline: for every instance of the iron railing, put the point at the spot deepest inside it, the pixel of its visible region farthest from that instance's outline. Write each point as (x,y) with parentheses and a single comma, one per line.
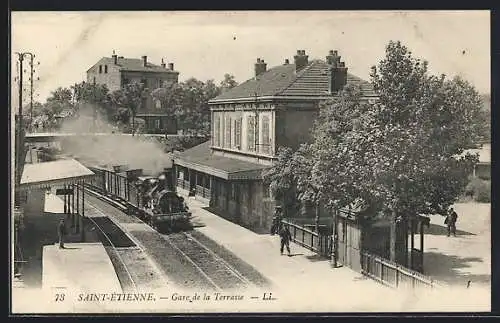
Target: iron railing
(183,184)
(321,244)
(203,192)
(392,274)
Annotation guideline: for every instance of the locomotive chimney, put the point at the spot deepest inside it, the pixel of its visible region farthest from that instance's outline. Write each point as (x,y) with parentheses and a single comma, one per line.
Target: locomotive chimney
(162,63)
(145,61)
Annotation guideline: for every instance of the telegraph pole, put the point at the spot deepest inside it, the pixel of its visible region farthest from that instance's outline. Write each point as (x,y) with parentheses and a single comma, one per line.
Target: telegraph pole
(20,125)
(95,105)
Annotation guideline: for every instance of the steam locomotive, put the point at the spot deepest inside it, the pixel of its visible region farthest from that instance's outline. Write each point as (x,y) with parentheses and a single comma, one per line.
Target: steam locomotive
(150,198)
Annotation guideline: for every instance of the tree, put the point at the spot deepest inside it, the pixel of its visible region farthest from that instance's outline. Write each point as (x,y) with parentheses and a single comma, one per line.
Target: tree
(170,96)
(193,114)
(228,82)
(92,96)
(282,180)
(131,97)
(400,156)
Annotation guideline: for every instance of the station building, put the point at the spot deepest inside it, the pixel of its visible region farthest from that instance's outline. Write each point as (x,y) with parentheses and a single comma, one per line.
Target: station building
(277,107)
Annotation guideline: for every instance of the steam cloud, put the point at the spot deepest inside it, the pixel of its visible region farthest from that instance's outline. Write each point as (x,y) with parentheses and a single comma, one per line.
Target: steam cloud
(112,148)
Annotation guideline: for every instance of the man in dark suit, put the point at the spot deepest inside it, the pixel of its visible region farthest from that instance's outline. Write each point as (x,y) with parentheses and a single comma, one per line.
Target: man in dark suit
(276,220)
(450,221)
(61,232)
(285,236)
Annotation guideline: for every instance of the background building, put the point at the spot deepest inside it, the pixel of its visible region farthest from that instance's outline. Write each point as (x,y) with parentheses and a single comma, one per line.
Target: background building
(116,71)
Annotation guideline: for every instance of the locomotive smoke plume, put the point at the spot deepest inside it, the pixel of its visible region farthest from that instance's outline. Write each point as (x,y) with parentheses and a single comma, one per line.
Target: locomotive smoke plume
(111,147)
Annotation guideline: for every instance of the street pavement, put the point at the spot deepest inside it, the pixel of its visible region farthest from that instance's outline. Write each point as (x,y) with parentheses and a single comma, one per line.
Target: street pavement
(466,258)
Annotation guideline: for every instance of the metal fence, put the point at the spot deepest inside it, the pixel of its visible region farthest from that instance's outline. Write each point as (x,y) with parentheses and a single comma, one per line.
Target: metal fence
(203,192)
(321,244)
(392,274)
(183,184)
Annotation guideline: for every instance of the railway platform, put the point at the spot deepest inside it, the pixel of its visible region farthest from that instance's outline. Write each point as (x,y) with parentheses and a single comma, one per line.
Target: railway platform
(63,268)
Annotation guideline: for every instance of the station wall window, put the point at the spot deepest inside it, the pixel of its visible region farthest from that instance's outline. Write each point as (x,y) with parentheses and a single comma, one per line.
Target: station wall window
(265,135)
(227,137)
(216,141)
(251,133)
(105,68)
(100,69)
(237,133)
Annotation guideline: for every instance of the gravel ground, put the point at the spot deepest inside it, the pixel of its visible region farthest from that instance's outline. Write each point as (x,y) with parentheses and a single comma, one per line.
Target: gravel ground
(212,265)
(241,266)
(120,269)
(173,264)
(144,276)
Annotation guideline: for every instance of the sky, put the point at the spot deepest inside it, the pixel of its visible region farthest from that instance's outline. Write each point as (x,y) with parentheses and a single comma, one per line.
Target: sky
(206,45)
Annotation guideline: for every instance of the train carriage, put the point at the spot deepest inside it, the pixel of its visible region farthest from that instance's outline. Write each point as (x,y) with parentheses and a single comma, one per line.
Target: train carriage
(147,197)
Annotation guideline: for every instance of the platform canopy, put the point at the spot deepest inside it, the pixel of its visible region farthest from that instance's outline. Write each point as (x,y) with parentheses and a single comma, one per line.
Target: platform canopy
(59,172)
(200,158)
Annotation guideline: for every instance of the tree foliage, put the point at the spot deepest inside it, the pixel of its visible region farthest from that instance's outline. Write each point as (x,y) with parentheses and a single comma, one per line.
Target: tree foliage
(228,82)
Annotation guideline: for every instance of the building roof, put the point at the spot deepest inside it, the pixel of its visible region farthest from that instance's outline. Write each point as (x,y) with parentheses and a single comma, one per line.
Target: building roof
(64,171)
(134,65)
(202,159)
(284,81)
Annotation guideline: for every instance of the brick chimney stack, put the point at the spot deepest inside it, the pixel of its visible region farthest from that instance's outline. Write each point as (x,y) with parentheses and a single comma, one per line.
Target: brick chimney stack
(171,66)
(337,72)
(115,58)
(163,63)
(301,59)
(145,60)
(260,67)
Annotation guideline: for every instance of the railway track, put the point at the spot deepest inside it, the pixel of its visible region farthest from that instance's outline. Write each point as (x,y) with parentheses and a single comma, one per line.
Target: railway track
(208,268)
(124,275)
(213,267)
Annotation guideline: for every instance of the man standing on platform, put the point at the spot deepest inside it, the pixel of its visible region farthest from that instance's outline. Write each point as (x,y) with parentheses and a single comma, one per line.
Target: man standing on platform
(61,232)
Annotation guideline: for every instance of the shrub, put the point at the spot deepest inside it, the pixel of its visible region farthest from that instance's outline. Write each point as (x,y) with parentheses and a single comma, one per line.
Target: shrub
(480,189)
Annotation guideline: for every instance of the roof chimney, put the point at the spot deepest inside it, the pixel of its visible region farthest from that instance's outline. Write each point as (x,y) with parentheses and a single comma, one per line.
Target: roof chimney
(171,66)
(260,67)
(301,59)
(145,60)
(115,58)
(338,72)
(163,63)
(333,58)
(287,61)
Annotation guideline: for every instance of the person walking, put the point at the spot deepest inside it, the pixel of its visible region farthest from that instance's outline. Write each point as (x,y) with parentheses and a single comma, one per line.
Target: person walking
(451,221)
(61,232)
(285,236)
